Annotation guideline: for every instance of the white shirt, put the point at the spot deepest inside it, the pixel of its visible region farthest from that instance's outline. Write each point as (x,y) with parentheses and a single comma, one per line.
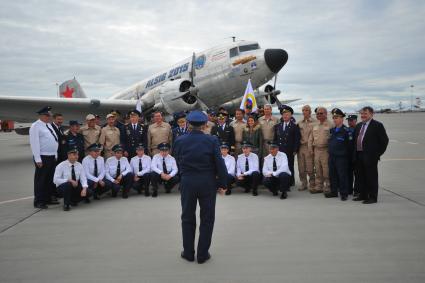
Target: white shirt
(146,165)
(42,140)
(88,165)
(230,164)
(170,162)
(111,165)
(252,162)
(281,164)
(63,173)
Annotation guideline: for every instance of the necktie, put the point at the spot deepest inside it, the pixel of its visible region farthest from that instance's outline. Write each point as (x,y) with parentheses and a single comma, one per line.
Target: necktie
(164,166)
(140,165)
(360,138)
(246,164)
(274,164)
(134,127)
(95,168)
(118,169)
(73,173)
(50,130)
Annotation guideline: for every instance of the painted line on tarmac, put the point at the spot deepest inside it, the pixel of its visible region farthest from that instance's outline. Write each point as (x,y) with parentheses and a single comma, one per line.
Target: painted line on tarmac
(20,221)
(404,197)
(403,159)
(14,200)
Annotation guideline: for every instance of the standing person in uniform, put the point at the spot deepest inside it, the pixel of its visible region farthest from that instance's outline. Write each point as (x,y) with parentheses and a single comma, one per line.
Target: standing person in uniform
(371,142)
(109,136)
(44,148)
(319,142)
(352,181)
(238,126)
(339,156)
(164,170)
(134,134)
(181,128)
(70,180)
(94,167)
(224,131)
(248,169)
(253,134)
(118,173)
(267,123)
(202,173)
(287,136)
(58,128)
(74,138)
(277,175)
(141,165)
(90,132)
(230,163)
(305,154)
(158,132)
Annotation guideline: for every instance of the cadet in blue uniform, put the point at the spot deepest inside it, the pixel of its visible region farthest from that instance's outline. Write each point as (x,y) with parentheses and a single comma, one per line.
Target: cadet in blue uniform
(352,186)
(74,138)
(202,172)
(181,128)
(134,133)
(224,131)
(339,149)
(287,135)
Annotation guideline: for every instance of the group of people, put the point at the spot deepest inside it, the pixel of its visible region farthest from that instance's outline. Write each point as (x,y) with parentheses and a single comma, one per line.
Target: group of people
(86,161)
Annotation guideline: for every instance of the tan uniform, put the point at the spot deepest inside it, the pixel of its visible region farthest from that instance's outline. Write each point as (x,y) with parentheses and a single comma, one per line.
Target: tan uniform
(305,154)
(267,129)
(208,127)
(158,134)
(91,135)
(109,136)
(319,141)
(238,127)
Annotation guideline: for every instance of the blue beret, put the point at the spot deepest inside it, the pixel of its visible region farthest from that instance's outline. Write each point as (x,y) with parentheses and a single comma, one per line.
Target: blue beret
(44,111)
(117,147)
(197,117)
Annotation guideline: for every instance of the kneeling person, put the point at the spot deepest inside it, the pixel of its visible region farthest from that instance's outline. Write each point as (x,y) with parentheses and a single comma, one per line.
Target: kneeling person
(230,163)
(118,172)
(276,172)
(141,165)
(164,169)
(247,167)
(70,180)
(94,167)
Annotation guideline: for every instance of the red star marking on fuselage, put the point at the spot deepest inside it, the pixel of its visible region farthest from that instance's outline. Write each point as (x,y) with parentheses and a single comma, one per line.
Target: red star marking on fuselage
(68,92)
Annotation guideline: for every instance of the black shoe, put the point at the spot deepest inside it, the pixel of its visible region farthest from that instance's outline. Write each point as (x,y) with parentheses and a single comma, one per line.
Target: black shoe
(228,192)
(114,194)
(188,258)
(155,194)
(255,193)
(66,207)
(73,203)
(284,195)
(139,191)
(331,195)
(147,193)
(358,199)
(124,194)
(247,191)
(87,200)
(369,201)
(275,193)
(202,260)
(53,201)
(344,198)
(41,206)
(167,191)
(96,197)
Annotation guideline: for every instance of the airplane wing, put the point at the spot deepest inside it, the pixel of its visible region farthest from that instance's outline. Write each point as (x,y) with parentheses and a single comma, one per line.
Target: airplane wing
(23,109)
(288,100)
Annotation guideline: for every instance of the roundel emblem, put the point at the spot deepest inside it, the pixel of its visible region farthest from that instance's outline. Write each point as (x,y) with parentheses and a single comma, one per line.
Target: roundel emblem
(200,62)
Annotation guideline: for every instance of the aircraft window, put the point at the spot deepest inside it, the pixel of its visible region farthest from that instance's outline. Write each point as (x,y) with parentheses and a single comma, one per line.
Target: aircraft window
(244,48)
(234,52)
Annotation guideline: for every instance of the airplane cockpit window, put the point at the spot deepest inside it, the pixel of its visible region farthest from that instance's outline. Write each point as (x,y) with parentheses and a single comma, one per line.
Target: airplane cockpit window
(234,52)
(249,47)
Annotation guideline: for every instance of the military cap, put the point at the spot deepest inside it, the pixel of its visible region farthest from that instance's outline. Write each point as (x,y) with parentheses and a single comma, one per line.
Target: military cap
(45,111)
(117,147)
(74,122)
(272,144)
(352,117)
(94,147)
(134,112)
(246,144)
(286,108)
(115,112)
(179,115)
(72,149)
(337,112)
(110,115)
(97,116)
(224,145)
(90,117)
(140,146)
(222,115)
(197,118)
(164,146)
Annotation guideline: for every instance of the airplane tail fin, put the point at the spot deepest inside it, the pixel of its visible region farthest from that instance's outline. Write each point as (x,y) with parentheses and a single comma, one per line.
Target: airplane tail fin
(71,89)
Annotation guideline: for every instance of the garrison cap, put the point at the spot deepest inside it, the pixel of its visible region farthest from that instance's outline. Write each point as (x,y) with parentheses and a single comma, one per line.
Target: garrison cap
(45,111)
(140,146)
(94,147)
(164,146)
(286,108)
(352,117)
(224,145)
(117,147)
(197,118)
(337,112)
(74,122)
(72,149)
(272,144)
(246,144)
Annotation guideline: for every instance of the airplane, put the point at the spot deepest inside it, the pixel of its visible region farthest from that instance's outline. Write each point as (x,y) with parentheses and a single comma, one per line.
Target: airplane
(213,78)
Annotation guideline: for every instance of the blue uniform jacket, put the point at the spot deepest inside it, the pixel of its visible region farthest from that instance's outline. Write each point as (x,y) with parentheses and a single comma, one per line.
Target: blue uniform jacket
(340,142)
(288,140)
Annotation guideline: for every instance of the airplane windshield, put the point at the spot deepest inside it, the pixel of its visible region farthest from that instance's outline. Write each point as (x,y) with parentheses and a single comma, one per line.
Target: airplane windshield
(249,47)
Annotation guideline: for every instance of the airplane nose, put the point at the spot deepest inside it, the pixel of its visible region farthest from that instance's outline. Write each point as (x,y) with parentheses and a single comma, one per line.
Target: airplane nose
(275,59)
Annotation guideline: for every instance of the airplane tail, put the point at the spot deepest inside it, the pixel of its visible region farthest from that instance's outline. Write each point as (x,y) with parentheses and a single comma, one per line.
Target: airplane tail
(71,89)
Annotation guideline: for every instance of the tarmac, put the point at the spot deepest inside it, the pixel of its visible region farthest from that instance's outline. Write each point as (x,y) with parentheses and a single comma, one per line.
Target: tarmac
(305,238)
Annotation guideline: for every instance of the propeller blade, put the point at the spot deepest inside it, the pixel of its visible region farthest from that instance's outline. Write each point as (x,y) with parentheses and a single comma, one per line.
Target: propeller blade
(275,79)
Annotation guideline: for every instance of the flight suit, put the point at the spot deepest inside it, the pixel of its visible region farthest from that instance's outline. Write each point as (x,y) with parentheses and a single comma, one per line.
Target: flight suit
(78,141)
(91,135)
(132,138)
(305,155)
(318,140)
(267,128)
(158,134)
(109,136)
(238,127)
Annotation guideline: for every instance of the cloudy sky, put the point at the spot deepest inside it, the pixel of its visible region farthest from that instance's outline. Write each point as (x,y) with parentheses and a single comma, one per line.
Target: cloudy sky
(346,53)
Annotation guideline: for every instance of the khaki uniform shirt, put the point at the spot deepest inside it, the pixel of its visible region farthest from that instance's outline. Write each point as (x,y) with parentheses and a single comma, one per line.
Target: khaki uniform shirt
(267,127)
(238,128)
(91,135)
(158,134)
(208,128)
(109,136)
(320,135)
(306,127)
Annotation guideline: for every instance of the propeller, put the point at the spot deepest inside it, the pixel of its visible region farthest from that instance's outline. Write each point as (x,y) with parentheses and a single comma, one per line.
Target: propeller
(273,94)
(193,90)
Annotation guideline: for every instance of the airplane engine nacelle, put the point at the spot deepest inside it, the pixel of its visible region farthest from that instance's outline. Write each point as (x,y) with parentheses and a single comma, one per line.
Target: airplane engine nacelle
(174,96)
(263,92)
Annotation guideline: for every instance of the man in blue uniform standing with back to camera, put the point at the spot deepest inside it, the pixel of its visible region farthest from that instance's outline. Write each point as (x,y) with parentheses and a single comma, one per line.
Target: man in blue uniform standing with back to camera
(202,172)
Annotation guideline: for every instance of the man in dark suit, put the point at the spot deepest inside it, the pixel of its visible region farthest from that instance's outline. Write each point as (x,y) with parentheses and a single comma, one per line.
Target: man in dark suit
(57,127)
(371,142)
(134,134)
(224,131)
(202,171)
(287,135)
